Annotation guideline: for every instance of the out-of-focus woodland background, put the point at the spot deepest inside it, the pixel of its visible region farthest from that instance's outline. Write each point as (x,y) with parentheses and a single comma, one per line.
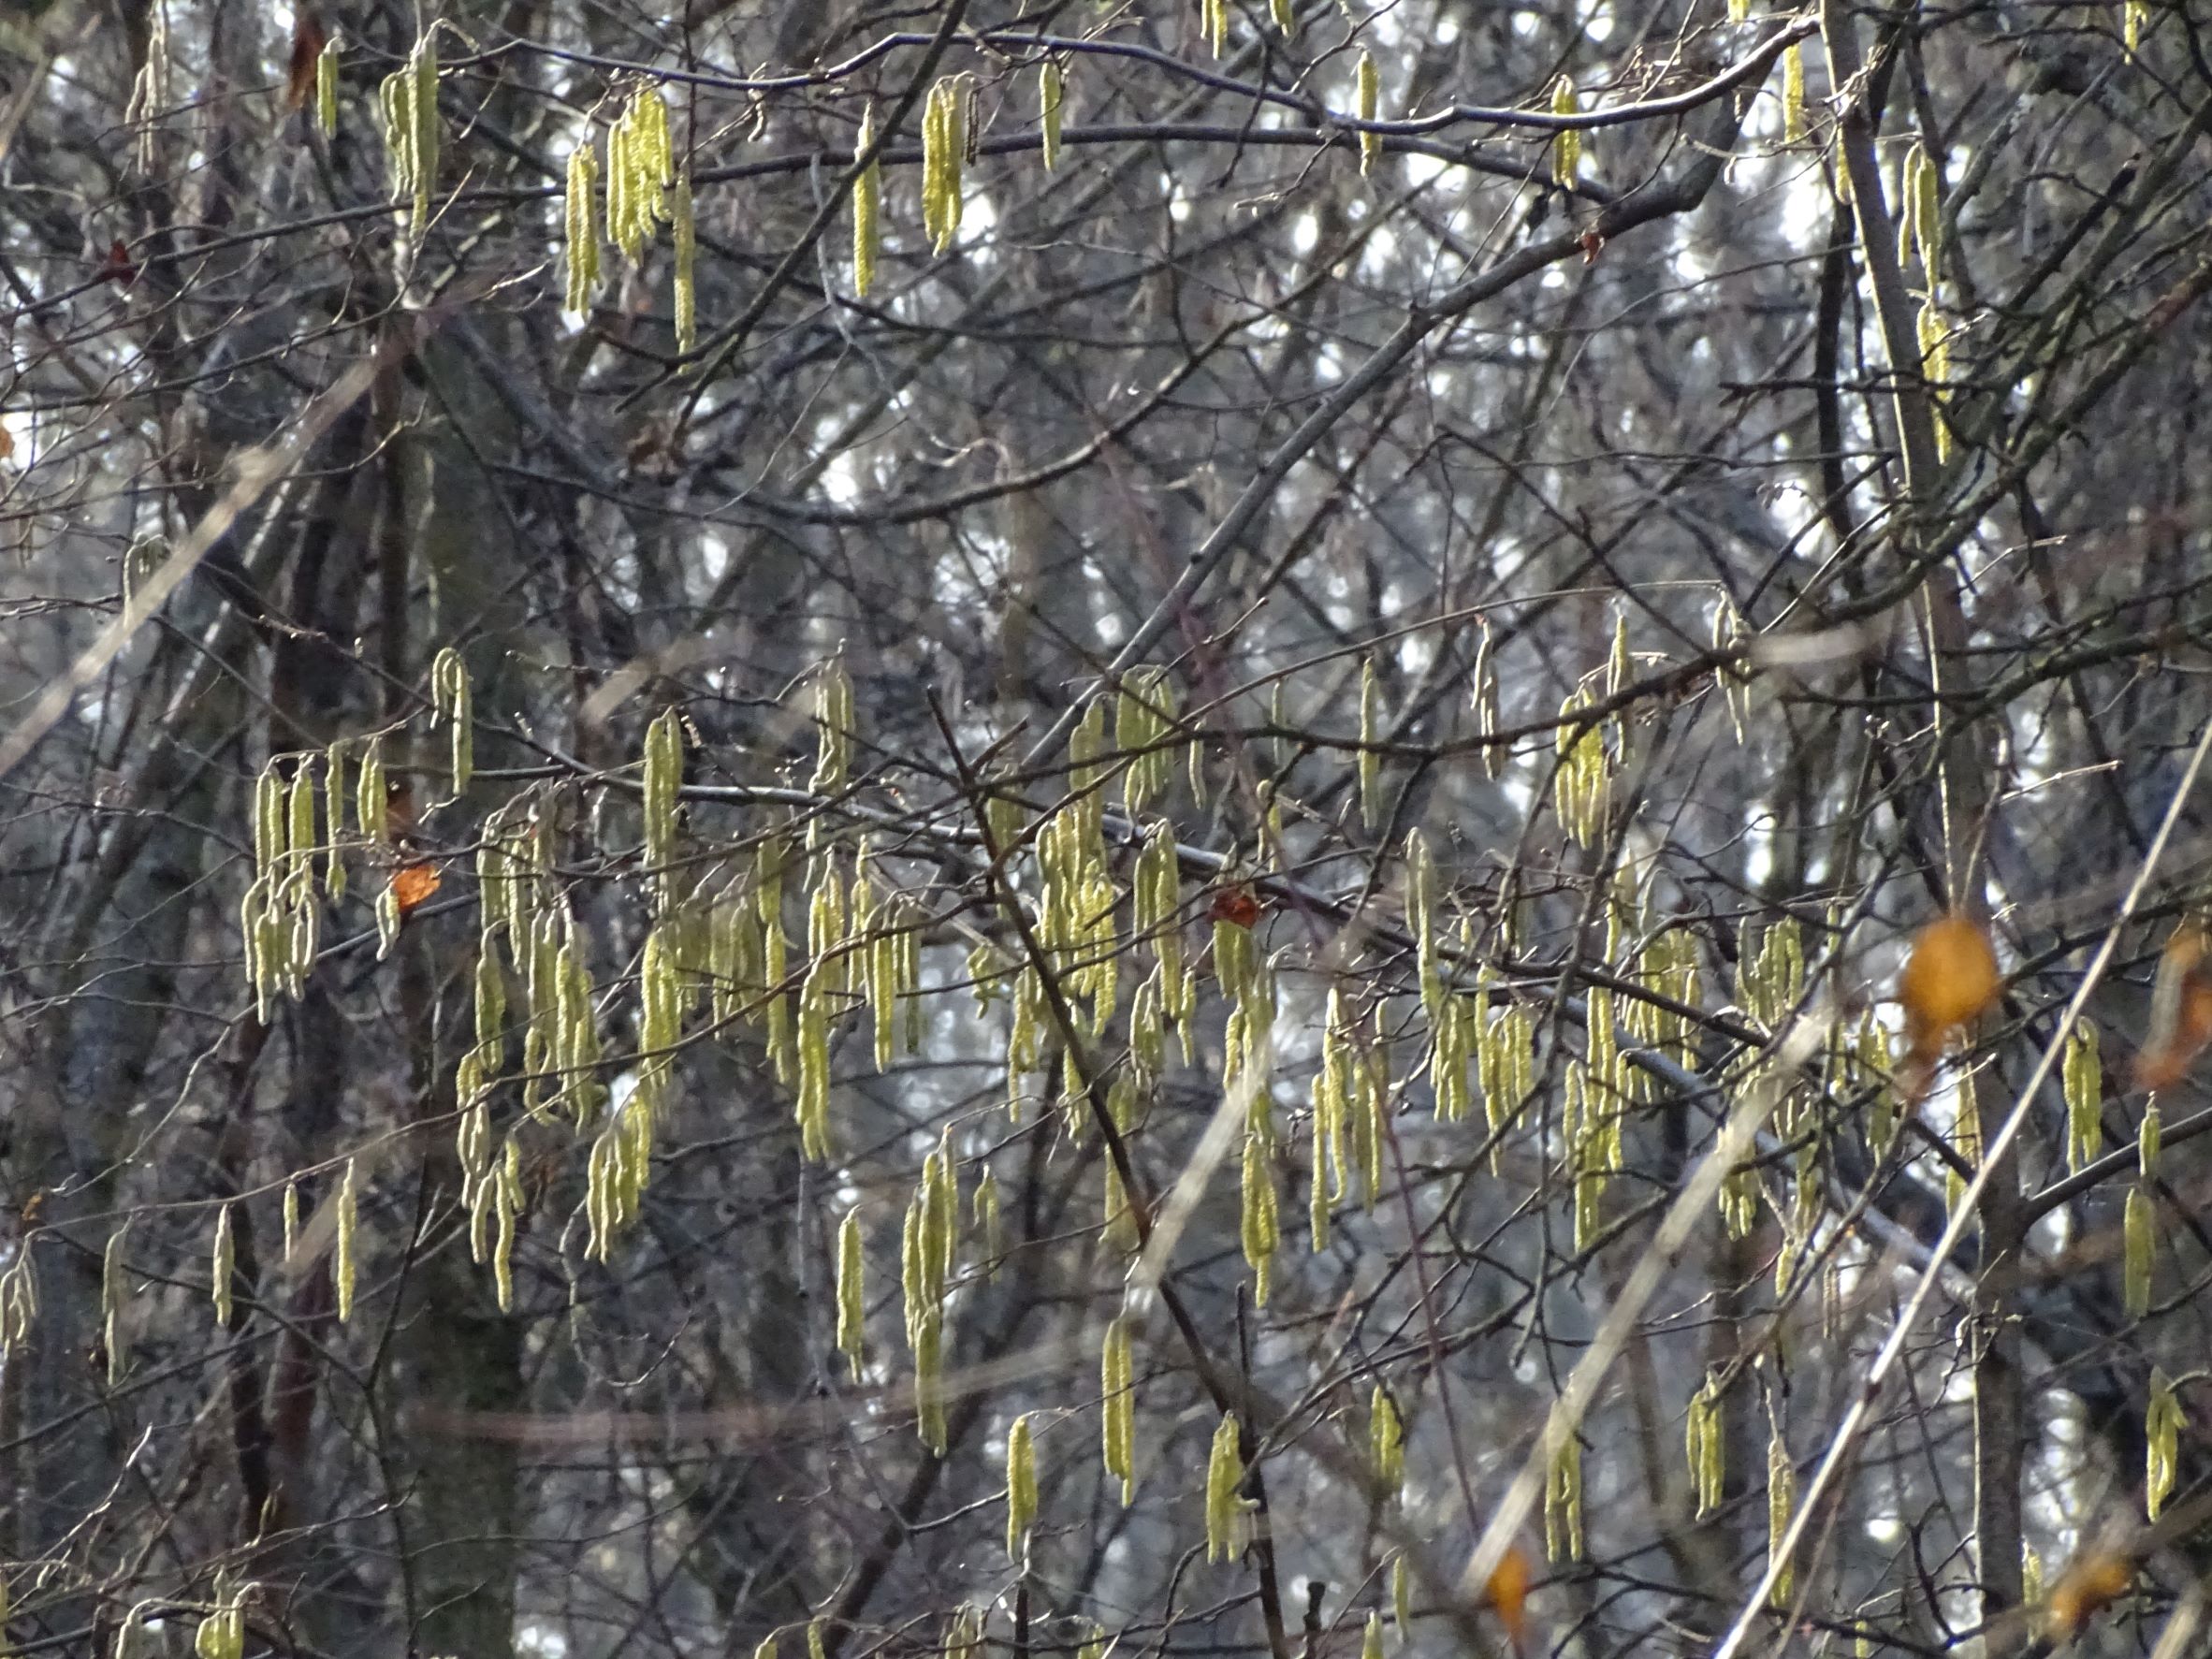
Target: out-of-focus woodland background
(676,920)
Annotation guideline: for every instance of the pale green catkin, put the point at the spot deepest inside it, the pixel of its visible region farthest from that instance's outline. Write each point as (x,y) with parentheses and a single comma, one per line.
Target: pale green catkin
(408,100)
(1386,1441)
(1021,1488)
(683,281)
(327,65)
(580,231)
(346,1267)
(852,1293)
(1369,94)
(1117,1387)
(1782,1499)
(1224,1508)
(1562,1502)
(451,704)
(944,148)
(223,1266)
(867,211)
(1566,147)
(1051,95)
(1370,764)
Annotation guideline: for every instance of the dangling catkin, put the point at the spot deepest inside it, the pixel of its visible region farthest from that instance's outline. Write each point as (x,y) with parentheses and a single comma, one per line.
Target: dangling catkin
(685,285)
(1370,106)
(852,1293)
(1567,148)
(224,1267)
(327,87)
(581,231)
(868,196)
(1021,1488)
(1117,1386)
(345,1266)
(1225,1508)
(1051,91)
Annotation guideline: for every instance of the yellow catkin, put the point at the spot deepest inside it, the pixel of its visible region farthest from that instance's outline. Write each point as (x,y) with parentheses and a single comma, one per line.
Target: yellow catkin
(581,231)
(451,704)
(424,64)
(2162,1424)
(1261,1225)
(868,198)
(299,818)
(334,817)
(1117,1388)
(1935,368)
(1562,1502)
(852,1293)
(345,1266)
(1927,214)
(640,167)
(1370,767)
(371,795)
(256,928)
(223,1266)
(1225,1474)
(684,281)
(1141,730)
(1021,1487)
(1781,1498)
(1793,94)
(271,828)
(1708,1446)
(661,784)
(409,102)
(833,715)
(812,1099)
(1566,147)
(944,148)
(2139,1233)
(114,1294)
(508,1198)
(1386,1441)
(929,1395)
(327,87)
(990,1223)
(629,221)
(1370,91)
(2083,1075)
(1052,91)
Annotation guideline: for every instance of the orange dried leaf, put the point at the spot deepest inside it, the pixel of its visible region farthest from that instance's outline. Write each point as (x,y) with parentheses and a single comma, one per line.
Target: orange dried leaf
(1236,905)
(1949,979)
(411,883)
(1508,1594)
(2180,1009)
(2087,1587)
(308,40)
